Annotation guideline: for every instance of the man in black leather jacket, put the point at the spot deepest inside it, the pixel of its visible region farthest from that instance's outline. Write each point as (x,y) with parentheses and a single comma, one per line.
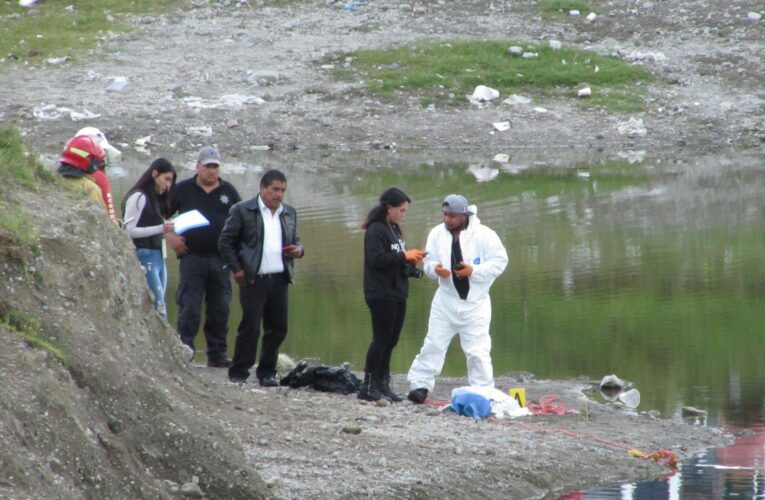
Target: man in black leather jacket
(259,243)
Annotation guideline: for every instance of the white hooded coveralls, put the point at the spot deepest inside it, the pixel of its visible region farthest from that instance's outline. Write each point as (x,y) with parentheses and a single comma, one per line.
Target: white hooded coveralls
(450,315)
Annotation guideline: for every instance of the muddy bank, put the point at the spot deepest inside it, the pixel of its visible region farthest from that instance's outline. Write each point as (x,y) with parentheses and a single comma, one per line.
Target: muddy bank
(245,76)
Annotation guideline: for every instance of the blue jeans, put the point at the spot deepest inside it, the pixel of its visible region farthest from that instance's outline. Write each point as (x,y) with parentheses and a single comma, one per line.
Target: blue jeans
(156,276)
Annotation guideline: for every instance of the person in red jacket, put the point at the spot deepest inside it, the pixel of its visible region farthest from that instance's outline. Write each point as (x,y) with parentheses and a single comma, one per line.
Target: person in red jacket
(99,175)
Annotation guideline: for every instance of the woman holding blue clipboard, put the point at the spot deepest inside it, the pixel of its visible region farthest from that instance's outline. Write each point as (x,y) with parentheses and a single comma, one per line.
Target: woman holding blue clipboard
(145,207)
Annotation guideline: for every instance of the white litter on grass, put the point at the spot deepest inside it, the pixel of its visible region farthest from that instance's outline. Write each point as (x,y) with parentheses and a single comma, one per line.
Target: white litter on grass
(501,126)
(654,57)
(591,16)
(515,50)
(574,13)
(224,101)
(27,3)
(51,112)
(555,44)
(632,128)
(632,156)
(501,158)
(483,173)
(482,94)
(584,92)
(530,55)
(516,100)
(57,60)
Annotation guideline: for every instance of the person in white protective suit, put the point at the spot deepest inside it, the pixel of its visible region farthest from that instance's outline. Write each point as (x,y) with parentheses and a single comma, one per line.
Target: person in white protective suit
(466,257)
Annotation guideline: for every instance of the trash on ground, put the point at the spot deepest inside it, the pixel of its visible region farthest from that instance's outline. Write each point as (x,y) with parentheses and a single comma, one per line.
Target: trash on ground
(754,16)
(555,44)
(483,173)
(591,16)
(27,3)
(337,379)
(49,112)
(530,55)
(637,55)
(501,158)
(199,131)
(515,100)
(632,127)
(584,92)
(142,143)
(501,126)
(630,398)
(118,84)
(483,94)
(515,50)
(540,109)
(57,60)
(632,156)
(480,402)
(224,101)
(612,382)
(574,13)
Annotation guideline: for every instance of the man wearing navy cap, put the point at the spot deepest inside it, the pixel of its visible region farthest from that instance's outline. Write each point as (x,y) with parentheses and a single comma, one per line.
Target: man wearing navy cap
(466,257)
(202,272)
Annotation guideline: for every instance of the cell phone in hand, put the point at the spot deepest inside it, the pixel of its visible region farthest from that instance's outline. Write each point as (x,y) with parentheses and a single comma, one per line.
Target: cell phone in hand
(289,249)
(459,267)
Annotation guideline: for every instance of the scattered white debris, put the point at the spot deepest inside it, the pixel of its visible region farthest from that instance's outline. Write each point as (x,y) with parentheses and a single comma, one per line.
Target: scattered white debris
(327,66)
(501,126)
(143,141)
(555,44)
(515,100)
(27,3)
(584,92)
(501,158)
(69,8)
(483,173)
(633,127)
(597,68)
(530,55)
(632,156)
(540,109)
(50,112)
(483,94)
(225,101)
(591,16)
(57,60)
(583,174)
(515,50)
(754,16)
(646,56)
(119,83)
(573,13)
(199,131)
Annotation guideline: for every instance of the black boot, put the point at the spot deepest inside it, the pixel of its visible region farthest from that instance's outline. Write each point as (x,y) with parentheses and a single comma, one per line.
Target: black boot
(369,390)
(386,392)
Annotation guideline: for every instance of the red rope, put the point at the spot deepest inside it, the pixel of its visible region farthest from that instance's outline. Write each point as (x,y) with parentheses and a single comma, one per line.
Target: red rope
(552,405)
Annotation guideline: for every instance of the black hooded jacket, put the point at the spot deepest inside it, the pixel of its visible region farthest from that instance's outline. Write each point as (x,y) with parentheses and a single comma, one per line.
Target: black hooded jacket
(385,271)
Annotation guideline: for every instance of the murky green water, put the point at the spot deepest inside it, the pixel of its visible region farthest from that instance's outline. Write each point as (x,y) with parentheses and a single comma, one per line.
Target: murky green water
(649,267)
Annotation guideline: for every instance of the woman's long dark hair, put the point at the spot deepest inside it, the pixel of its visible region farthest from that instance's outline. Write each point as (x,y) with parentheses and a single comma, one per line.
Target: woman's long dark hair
(393,197)
(145,185)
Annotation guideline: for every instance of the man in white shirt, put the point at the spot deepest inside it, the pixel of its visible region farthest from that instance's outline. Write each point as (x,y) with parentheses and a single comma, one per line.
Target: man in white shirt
(259,243)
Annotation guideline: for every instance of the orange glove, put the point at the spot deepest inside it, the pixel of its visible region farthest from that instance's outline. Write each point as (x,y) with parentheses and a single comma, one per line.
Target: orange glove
(444,273)
(414,256)
(463,270)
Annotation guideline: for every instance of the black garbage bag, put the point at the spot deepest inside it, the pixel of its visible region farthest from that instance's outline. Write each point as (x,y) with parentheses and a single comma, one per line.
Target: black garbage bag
(337,379)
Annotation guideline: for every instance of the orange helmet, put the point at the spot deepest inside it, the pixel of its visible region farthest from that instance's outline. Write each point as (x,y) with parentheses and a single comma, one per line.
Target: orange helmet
(83,153)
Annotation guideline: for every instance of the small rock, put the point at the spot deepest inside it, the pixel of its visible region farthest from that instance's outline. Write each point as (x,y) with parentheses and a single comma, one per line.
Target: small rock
(690,411)
(192,490)
(591,16)
(351,430)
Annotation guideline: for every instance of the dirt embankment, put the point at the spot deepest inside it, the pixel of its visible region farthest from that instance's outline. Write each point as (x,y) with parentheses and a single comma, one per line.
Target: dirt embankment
(241,75)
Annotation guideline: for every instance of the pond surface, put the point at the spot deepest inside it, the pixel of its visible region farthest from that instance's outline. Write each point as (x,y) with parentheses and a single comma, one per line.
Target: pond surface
(648,267)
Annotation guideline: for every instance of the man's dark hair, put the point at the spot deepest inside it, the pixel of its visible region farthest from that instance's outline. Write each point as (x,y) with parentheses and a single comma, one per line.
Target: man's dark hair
(272,175)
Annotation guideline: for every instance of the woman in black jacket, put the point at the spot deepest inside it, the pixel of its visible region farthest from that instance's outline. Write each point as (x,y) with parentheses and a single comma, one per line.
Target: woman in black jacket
(388,265)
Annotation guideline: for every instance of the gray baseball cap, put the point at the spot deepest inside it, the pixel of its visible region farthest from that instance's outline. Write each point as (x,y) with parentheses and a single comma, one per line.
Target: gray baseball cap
(208,155)
(455,204)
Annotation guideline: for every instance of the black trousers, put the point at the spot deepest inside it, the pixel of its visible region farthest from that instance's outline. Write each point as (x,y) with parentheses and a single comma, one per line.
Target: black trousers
(387,321)
(203,277)
(264,300)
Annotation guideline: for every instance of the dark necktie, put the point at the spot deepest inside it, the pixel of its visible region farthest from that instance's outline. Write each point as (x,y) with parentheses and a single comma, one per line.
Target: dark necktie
(461,284)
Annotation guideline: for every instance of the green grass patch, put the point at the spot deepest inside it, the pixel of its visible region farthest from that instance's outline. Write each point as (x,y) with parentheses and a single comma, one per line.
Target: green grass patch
(17,164)
(447,71)
(50,30)
(28,328)
(564,6)
(17,230)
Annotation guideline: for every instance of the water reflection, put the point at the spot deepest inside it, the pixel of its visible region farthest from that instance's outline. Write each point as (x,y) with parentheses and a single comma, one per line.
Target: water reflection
(651,267)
